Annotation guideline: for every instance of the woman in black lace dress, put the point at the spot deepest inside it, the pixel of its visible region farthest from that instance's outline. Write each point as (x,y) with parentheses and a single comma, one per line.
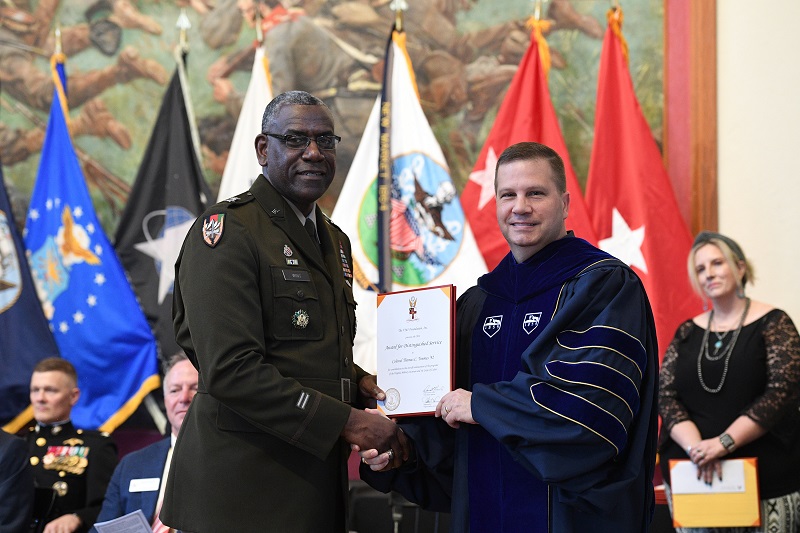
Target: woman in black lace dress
(730,385)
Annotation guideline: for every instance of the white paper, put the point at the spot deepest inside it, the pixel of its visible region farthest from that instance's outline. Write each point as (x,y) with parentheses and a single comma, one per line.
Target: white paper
(134,522)
(683,477)
(414,350)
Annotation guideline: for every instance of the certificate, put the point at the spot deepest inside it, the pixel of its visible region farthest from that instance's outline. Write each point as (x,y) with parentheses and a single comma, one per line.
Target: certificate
(730,502)
(416,332)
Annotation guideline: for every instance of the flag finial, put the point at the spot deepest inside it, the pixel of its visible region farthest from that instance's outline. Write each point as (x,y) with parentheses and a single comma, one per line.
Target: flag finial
(398,6)
(537,9)
(259,27)
(58,38)
(183,24)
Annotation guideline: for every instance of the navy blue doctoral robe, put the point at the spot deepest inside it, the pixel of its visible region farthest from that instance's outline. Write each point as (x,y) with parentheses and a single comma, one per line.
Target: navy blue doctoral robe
(560,354)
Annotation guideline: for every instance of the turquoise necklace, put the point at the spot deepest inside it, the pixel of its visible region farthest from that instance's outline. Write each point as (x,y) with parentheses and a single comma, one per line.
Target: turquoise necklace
(726,353)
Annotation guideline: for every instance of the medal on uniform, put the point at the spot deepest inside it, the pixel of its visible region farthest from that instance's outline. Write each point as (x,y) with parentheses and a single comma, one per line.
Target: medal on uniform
(67,459)
(300,319)
(61,488)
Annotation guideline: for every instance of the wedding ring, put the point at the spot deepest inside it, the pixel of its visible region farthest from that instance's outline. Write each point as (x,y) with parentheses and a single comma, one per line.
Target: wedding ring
(363,460)
(390,453)
(447,409)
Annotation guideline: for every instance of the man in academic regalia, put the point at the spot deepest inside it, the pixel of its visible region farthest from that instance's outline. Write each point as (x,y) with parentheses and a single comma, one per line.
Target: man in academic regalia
(554,426)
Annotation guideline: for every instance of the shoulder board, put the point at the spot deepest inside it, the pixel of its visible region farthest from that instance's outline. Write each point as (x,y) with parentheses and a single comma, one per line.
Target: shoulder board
(239,199)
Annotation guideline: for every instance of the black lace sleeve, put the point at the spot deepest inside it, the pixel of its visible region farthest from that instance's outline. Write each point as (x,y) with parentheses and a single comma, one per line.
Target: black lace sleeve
(782,393)
(671,410)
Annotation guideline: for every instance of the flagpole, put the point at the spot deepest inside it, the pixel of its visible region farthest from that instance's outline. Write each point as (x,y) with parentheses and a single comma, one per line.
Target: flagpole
(385,162)
(181,50)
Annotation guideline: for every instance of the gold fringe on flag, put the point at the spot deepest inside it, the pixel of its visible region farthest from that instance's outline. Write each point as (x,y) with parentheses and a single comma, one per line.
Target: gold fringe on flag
(615,19)
(538,29)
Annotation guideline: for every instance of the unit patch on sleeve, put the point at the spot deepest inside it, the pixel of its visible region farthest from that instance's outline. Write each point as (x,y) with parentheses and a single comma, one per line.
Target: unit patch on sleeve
(212,229)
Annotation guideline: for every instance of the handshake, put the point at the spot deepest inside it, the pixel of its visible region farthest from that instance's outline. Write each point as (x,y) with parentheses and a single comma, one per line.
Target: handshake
(374,435)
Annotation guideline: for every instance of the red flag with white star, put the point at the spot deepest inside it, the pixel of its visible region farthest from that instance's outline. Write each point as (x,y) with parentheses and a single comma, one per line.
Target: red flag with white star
(630,196)
(526,114)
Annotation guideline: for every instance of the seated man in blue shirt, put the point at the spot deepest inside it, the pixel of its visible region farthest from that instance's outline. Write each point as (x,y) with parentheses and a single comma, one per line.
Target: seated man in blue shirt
(138,480)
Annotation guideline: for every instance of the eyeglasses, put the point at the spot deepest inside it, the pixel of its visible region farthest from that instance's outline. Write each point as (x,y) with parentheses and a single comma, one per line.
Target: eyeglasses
(301,142)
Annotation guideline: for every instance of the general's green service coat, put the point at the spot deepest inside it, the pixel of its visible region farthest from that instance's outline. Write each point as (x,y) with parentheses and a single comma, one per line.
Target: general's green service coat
(269,323)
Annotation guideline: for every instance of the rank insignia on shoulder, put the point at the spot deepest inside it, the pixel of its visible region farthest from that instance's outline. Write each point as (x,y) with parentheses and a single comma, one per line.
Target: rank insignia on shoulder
(239,199)
(212,229)
(300,319)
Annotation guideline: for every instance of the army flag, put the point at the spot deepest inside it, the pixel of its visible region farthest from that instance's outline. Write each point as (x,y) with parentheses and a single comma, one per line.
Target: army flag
(242,168)
(630,196)
(93,313)
(399,205)
(25,337)
(168,194)
(526,114)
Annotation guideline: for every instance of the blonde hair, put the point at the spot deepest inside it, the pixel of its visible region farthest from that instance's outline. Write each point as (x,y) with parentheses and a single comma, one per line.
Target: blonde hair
(730,257)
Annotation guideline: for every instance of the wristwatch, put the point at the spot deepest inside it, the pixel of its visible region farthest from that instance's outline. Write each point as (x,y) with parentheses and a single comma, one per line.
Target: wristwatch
(727,442)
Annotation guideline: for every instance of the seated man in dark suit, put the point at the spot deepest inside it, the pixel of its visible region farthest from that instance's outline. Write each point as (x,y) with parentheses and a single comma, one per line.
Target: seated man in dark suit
(138,480)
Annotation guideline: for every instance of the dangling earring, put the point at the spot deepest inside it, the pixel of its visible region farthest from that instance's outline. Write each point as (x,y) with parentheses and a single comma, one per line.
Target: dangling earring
(740,290)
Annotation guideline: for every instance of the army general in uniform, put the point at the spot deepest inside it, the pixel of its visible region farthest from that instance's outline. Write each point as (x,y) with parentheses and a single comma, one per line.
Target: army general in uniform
(263,306)
(77,464)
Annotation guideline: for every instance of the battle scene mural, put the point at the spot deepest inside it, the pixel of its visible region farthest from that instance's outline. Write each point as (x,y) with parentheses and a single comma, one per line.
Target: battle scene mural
(120,56)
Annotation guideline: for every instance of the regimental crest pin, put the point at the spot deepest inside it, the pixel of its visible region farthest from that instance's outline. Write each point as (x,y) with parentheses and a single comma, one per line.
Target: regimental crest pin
(213,226)
(287,251)
(530,322)
(491,324)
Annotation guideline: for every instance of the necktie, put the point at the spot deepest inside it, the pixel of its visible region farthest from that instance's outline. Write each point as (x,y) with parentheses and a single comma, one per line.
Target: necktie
(158,526)
(312,232)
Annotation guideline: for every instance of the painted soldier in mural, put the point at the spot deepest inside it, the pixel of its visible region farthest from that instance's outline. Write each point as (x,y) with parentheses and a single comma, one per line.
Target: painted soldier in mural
(24,33)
